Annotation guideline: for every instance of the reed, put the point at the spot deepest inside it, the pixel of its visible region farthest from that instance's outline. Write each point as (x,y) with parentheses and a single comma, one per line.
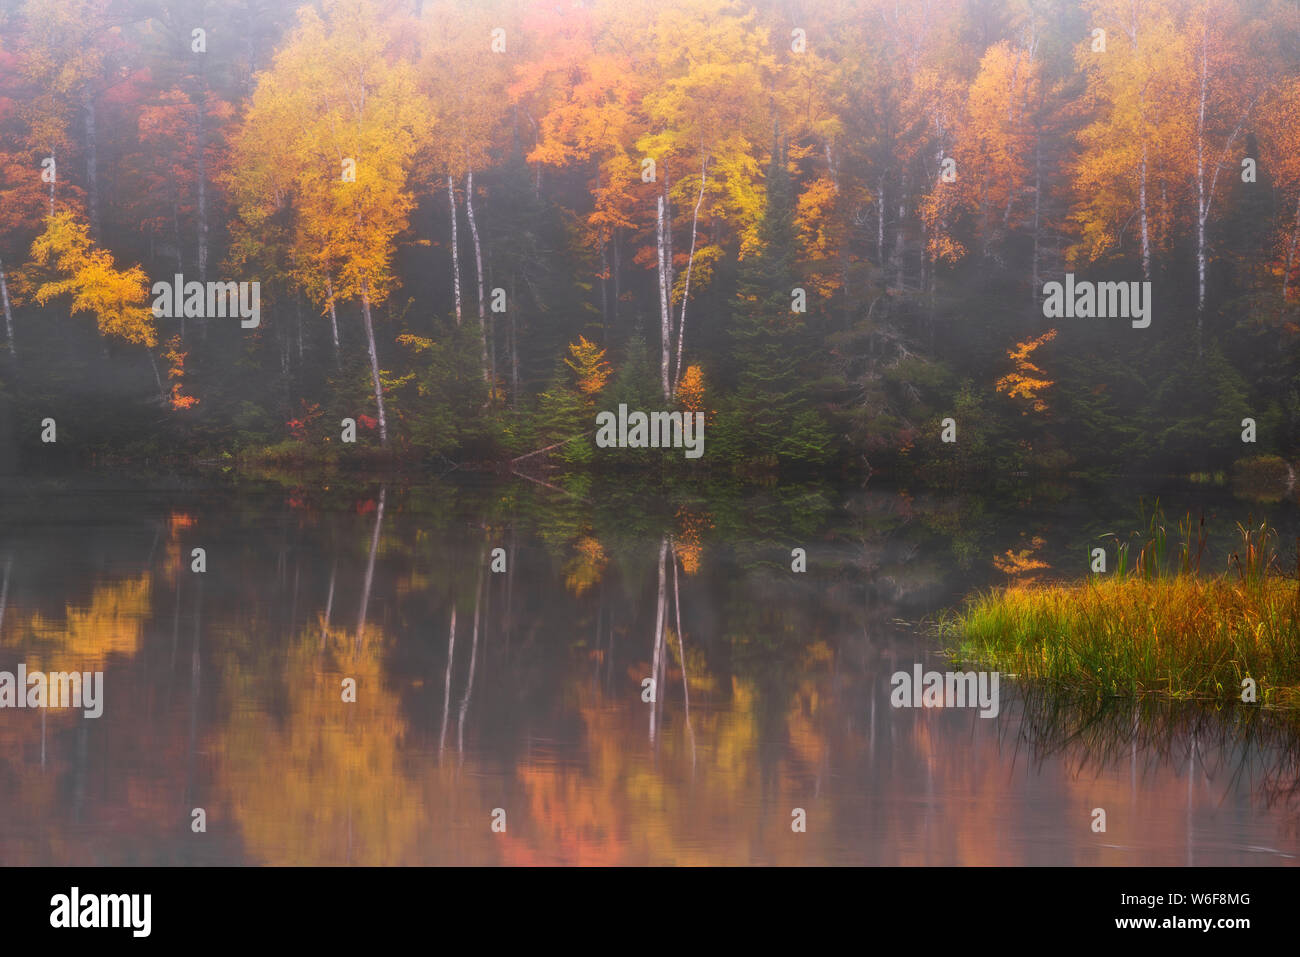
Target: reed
(1155,626)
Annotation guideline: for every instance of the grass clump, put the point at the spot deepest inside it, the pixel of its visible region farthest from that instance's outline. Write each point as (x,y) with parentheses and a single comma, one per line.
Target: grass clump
(1154,626)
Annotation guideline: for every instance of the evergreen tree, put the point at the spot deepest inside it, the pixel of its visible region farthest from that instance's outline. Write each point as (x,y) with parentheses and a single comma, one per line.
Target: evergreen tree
(769,416)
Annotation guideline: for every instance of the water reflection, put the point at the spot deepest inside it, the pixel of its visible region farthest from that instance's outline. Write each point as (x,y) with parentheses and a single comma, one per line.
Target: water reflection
(364,673)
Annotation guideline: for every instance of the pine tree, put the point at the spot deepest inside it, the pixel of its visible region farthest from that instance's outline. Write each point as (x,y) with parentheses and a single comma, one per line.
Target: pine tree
(769,415)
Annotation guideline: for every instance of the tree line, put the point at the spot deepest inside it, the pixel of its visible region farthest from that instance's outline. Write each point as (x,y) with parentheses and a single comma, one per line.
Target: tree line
(827,225)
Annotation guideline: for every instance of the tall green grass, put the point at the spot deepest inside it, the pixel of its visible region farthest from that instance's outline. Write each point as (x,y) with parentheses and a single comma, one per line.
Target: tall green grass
(1154,626)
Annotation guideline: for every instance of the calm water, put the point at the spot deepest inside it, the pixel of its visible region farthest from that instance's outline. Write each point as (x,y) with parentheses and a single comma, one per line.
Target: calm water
(521,690)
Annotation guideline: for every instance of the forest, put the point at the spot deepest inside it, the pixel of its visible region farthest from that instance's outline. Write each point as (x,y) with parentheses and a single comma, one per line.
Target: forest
(831,227)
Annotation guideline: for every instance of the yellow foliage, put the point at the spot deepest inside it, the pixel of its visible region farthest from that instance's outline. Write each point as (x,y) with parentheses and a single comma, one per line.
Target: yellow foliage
(112,623)
(587,361)
(116,297)
(340,792)
(337,91)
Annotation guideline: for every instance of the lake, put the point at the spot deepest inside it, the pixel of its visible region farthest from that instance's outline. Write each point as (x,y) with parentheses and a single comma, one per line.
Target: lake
(453,670)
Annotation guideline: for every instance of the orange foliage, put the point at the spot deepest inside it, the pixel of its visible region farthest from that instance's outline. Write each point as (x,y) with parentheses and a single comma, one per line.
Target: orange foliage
(1022,562)
(586,566)
(1027,381)
(690,391)
(176,370)
(687,540)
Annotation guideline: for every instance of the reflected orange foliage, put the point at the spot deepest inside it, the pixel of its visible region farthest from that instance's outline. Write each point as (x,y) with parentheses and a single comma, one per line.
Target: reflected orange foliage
(687,538)
(1022,562)
(586,566)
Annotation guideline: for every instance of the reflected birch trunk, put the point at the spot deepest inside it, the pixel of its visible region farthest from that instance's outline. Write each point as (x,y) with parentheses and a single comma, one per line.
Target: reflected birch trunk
(446,687)
(370,566)
(195,675)
(681,651)
(329,610)
(473,658)
(659,634)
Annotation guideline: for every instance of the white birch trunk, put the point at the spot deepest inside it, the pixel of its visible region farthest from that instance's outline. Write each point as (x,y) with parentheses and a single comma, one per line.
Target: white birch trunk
(92,161)
(334,321)
(478,264)
(665,317)
(455,250)
(374,362)
(690,262)
(9,315)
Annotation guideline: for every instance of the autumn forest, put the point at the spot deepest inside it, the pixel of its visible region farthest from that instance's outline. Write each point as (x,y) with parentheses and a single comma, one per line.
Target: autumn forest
(680,432)
(828,226)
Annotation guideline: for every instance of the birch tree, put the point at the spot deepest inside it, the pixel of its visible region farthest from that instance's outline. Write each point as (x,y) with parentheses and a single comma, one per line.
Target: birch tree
(343,105)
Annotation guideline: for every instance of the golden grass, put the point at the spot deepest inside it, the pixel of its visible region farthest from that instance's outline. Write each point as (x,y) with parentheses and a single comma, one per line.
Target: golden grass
(1182,636)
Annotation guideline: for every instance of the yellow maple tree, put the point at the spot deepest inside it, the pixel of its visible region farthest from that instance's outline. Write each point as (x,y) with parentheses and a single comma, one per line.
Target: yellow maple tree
(117,298)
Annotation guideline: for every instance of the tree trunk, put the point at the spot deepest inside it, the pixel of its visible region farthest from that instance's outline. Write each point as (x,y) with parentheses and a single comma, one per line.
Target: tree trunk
(4,589)
(690,262)
(668,247)
(478,265)
(659,632)
(92,161)
(1142,208)
(153,363)
(9,315)
(176,231)
(374,362)
(334,321)
(1038,196)
(514,348)
(455,251)
(1286,278)
(282,343)
(899,255)
(665,320)
(880,223)
(604,283)
(1202,197)
(604,269)
(618,268)
(201,176)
